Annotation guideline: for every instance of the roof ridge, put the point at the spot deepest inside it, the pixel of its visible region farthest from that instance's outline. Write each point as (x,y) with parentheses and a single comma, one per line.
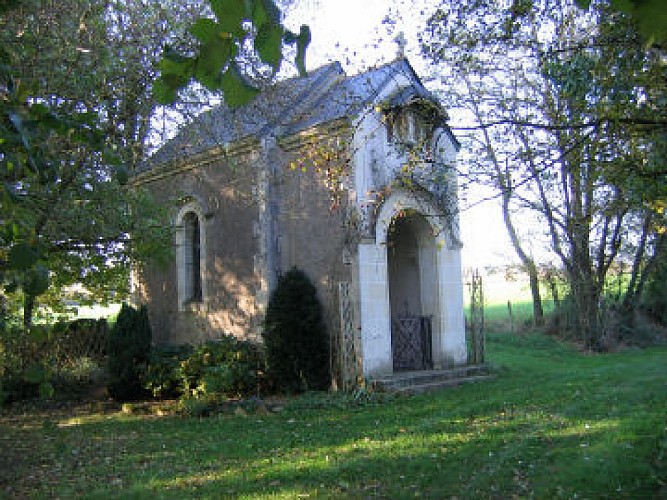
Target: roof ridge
(302,98)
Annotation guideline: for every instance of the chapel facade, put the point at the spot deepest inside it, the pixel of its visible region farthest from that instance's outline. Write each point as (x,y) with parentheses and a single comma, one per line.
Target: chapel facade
(352,180)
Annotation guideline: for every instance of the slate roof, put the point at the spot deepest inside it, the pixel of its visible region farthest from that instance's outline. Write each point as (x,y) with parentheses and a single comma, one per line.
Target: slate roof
(288,107)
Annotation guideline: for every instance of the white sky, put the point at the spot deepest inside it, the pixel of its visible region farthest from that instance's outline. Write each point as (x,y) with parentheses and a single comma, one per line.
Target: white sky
(356,33)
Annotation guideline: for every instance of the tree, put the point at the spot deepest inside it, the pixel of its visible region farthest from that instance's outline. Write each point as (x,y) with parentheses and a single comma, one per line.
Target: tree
(78,112)
(68,144)
(650,16)
(566,126)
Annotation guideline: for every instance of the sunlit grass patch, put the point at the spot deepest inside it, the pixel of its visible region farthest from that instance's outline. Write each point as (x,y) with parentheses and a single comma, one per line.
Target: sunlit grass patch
(555,423)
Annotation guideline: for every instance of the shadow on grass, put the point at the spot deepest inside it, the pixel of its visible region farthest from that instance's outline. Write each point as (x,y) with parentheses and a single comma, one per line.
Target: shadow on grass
(555,423)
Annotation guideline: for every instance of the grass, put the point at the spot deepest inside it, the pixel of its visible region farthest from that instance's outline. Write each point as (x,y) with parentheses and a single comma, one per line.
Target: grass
(555,423)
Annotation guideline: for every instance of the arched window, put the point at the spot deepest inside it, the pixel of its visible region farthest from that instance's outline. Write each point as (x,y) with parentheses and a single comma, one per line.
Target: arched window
(192,260)
(190,255)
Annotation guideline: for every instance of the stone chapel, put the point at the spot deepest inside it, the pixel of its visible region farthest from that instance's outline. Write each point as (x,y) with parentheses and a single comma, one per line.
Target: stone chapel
(351,179)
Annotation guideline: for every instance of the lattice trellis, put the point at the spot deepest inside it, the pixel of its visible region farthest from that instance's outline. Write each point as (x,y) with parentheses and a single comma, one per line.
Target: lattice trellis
(477,333)
(348,339)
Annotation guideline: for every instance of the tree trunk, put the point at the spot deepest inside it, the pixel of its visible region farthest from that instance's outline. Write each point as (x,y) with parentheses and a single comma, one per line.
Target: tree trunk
(586,294)
(642,267)
(526,260)
(28,309)
(587,315)
(504,185)
(538,310)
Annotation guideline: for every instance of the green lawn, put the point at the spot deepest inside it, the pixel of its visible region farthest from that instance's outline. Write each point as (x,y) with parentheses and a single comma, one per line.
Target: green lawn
(553,424)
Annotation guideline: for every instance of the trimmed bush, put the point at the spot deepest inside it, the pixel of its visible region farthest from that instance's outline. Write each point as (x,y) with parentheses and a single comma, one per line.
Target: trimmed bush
(128,350)
(294,335)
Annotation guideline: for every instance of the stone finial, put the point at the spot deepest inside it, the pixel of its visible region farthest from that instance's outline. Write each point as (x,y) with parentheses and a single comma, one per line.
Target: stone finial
(401,43)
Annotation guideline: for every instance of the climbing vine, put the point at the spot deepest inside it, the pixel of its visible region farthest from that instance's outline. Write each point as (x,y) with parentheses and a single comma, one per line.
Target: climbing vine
(330,160)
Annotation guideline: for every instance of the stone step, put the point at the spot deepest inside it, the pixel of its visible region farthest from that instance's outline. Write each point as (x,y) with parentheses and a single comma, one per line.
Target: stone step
(439,385)
(404,381)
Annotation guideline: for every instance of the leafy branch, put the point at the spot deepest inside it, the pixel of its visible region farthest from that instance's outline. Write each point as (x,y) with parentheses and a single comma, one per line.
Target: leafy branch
(216,60)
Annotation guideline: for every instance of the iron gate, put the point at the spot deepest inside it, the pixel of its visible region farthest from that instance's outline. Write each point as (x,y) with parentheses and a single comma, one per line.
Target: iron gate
(411,342)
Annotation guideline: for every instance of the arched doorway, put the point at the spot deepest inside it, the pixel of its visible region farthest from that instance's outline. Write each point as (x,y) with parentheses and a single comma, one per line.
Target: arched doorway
(437,259)
(413,290)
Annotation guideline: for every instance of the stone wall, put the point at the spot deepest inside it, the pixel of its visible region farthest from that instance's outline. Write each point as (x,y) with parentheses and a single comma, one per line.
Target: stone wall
(313,233)
(224,188)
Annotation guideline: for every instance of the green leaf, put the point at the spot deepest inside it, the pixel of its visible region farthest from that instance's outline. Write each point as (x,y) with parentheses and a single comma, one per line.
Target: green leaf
(268,44)
(213,57)
(22,256)
(122,174)
(34,374)
(236,89)
(230,14)
(37,280)
(176,82)
(39,111)
(206,29)
(625,5)
(302,43)
(46,390)
(264,11)
(176,64)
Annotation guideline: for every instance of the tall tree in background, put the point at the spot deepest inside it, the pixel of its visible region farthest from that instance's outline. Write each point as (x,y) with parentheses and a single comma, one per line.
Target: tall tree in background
(78,109)
(568,121)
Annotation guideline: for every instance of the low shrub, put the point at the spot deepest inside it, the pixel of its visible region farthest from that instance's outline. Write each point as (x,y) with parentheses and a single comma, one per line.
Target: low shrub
(198,406)
(80,338)
(76,377)
(25,364)
(223,368)
(163,378)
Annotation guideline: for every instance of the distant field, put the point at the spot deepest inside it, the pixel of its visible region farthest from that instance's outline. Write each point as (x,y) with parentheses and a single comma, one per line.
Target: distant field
(497,292)
(110,311)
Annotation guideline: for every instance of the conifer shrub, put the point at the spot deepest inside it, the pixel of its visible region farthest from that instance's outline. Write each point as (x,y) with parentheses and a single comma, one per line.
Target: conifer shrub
(294,334)
(655,294)
(128,352)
